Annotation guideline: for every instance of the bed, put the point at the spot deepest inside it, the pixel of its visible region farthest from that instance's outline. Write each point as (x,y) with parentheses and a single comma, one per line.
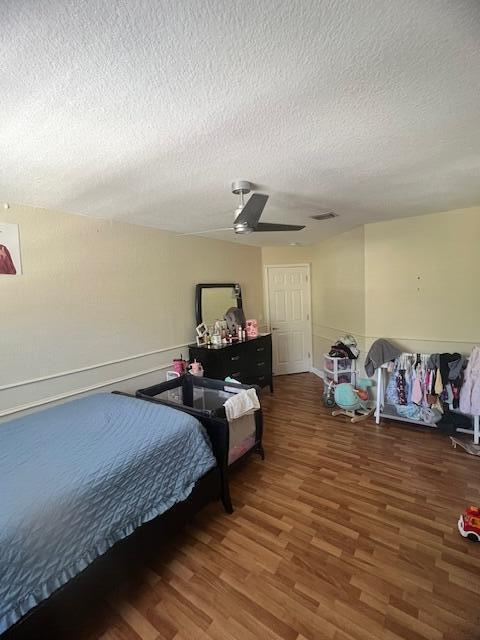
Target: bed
(78,477)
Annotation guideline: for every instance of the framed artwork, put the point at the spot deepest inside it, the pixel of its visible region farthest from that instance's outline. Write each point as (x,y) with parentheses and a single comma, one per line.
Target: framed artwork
(10,260)
(202,330)
(201,341)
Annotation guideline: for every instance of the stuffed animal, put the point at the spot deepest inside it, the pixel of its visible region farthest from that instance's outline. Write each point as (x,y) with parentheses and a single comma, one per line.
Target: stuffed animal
(353,402)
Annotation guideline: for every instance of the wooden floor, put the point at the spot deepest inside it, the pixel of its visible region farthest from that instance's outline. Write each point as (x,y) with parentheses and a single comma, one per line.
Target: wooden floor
(343,532)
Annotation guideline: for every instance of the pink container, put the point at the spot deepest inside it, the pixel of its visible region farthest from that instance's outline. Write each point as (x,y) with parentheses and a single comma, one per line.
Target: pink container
(179,365)
(252,328)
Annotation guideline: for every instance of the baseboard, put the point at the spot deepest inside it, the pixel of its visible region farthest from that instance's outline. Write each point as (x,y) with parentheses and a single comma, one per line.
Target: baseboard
(317,372)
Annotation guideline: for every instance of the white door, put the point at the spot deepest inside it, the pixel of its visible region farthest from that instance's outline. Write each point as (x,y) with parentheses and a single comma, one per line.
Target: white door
(289,313)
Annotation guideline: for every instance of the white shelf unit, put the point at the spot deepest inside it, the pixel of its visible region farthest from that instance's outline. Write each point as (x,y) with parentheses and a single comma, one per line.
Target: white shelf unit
(382,375)
(339,370)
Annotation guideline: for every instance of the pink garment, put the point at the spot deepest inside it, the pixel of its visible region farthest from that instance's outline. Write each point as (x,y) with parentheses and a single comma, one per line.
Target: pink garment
(470,392)
(417,393)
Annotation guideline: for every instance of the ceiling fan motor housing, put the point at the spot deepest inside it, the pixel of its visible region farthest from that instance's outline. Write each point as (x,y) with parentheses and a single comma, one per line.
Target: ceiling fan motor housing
(241,186)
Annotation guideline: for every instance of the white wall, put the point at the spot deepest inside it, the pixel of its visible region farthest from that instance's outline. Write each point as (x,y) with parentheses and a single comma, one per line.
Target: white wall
(94,292)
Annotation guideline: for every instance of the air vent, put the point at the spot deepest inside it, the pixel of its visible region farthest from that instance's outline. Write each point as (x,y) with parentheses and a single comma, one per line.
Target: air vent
(324,216)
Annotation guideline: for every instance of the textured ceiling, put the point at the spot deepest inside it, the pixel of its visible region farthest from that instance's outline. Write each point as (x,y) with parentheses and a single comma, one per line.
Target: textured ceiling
(145,110)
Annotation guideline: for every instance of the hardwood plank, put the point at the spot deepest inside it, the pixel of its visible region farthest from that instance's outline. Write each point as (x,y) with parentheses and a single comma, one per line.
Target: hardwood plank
(344,532)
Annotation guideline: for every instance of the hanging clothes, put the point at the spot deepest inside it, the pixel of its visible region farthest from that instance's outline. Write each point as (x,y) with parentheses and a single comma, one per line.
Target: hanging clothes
(424,387)
(456,393)
(417,392)
(470,391)
(449,375)
(401,390)
(380,352)
(438,388)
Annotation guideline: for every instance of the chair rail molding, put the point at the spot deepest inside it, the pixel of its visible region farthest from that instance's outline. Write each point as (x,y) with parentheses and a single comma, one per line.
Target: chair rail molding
(76,392)
(99,365)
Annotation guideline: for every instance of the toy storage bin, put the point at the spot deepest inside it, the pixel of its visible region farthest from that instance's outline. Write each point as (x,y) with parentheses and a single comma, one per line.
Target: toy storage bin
(337,364)
(339,370)
(337,378)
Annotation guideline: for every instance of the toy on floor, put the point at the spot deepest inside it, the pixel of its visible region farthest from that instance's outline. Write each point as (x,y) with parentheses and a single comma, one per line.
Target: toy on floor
(329,395)
(353,402)
(469,524)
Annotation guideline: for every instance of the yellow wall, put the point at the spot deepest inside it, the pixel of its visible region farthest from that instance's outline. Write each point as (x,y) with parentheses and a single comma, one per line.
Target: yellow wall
(413,280)
(94,291)
(338,291)
(338,287)
(422,276)
(287,255)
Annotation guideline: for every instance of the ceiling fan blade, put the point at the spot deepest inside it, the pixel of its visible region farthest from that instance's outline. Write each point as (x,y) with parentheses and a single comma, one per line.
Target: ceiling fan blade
(196,233)
(270,226)
(251,212)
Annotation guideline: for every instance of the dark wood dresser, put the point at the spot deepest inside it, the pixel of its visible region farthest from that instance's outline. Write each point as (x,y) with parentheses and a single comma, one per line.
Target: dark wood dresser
(249,362)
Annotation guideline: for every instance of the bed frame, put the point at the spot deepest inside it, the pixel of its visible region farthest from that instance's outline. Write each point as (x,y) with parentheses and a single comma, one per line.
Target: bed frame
(210,487)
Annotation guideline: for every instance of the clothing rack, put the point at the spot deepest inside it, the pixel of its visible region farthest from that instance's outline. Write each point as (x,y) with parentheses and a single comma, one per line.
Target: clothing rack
(382,376)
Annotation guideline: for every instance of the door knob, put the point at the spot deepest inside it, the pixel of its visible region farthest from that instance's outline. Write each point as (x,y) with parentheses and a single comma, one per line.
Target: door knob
(274,328)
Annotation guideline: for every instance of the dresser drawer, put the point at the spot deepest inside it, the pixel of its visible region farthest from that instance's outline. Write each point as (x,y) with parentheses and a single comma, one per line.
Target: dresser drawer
(259,356)
(261,380)
(235,358)
(259,366)
(261,352)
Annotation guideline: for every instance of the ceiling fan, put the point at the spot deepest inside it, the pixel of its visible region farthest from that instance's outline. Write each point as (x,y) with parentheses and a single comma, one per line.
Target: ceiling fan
(247,214)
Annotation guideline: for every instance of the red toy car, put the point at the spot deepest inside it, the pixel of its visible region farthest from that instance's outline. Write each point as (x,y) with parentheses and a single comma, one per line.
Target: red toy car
(469,524)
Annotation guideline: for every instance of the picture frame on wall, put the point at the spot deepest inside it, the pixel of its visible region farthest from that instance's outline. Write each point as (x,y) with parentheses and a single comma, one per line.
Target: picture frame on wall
(10,258)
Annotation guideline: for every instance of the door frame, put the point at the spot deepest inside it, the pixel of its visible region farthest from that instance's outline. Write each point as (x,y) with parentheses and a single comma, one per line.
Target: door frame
(266,299)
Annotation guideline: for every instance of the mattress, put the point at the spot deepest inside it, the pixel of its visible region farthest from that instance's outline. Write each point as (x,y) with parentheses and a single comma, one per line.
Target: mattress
(78,477)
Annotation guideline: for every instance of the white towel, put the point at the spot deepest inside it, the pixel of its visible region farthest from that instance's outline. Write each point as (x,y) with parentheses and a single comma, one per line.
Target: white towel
(241,404)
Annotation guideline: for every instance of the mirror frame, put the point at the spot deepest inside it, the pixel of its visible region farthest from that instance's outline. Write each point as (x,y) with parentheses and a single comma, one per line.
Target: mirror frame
(216,285)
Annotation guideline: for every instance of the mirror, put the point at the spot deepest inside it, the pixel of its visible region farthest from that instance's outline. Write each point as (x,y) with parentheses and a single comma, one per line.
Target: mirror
(213,300)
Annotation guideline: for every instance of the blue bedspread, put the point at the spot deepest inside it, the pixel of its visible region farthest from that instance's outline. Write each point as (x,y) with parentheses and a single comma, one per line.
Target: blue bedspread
(78,477)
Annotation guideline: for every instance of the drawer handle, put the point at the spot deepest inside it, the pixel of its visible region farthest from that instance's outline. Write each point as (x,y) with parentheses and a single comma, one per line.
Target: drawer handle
(260,349)
(260,364)
(235,358)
